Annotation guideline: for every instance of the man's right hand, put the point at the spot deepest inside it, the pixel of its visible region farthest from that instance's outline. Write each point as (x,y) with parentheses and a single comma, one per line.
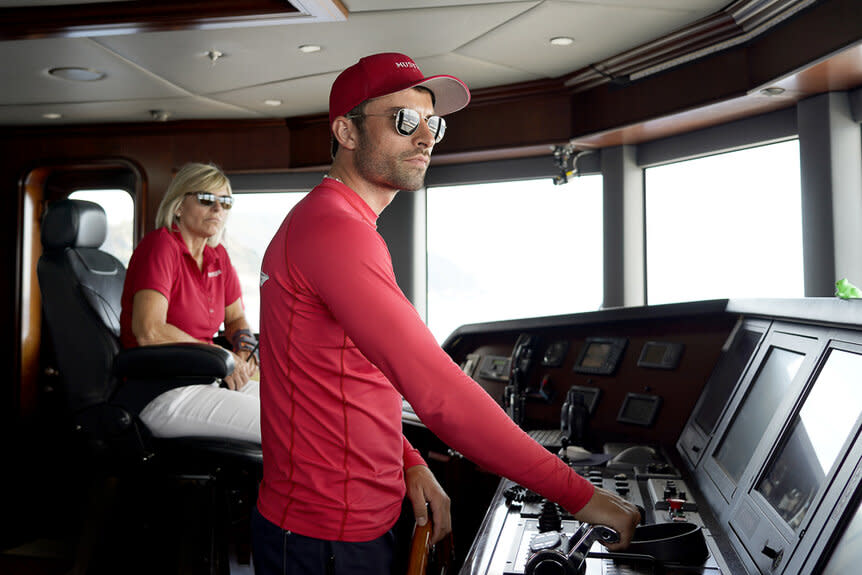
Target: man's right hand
(605,508)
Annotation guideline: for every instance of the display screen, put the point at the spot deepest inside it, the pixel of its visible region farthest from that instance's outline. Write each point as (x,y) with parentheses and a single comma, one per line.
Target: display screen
(724,377)
(495,367)
(653,353)
(816,437)
(639,409)
(750,422)
(597,355)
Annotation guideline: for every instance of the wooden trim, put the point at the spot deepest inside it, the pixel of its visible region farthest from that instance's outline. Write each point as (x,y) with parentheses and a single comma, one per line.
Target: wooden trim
(138,128)
(138,15)
(724,29)
(29,330)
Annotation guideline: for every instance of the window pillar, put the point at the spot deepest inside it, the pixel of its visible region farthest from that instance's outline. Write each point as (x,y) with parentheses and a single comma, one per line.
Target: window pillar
(830,148)
(623,205)
(402,225)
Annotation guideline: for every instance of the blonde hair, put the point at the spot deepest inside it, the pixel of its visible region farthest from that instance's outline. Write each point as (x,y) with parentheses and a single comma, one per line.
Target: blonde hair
(192,177)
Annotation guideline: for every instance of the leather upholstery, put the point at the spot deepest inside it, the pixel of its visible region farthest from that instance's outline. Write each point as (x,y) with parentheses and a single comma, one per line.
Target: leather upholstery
(74,224)
(81,290)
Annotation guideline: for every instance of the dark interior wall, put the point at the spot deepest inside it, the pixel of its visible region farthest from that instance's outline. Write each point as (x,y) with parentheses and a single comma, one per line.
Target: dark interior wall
(702,334)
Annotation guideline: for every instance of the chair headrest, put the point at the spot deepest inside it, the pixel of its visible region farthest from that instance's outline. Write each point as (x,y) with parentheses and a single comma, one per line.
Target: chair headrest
(74,224)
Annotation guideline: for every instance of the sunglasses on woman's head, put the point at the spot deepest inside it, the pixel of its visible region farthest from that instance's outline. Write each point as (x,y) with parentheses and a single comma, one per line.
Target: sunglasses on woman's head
(206,199)
(407,121)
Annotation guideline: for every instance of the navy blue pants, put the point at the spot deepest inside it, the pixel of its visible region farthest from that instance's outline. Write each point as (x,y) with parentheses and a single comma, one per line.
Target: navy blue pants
(279,552)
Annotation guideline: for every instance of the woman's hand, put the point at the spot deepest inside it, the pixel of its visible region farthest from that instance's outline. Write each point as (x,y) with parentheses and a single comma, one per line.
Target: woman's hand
(243,371)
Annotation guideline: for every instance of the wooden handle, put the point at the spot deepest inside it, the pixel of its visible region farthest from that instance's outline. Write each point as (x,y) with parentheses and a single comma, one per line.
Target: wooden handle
(419,550)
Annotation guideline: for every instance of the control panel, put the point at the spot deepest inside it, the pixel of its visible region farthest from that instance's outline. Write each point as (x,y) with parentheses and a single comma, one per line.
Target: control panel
(536,536)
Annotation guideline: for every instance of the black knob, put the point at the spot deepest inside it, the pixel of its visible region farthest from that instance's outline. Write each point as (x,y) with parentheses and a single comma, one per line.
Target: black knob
(770,552)
(549,518)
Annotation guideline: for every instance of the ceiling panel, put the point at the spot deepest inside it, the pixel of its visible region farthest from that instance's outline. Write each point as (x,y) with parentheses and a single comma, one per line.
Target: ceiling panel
(310,95)
(256,56)
(25,80)
(299,97)
(379,5)
(486,43)
(189,108)
(598,30)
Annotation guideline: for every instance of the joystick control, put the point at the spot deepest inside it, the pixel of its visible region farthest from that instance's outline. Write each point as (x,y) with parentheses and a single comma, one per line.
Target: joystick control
(568,558)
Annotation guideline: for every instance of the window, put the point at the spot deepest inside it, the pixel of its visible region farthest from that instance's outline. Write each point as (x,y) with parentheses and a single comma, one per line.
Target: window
(513,249)
(728,225)
(253,220)
(120,209)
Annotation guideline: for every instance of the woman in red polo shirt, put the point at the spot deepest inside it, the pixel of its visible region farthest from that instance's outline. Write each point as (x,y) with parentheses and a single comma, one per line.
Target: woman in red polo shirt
(181,286)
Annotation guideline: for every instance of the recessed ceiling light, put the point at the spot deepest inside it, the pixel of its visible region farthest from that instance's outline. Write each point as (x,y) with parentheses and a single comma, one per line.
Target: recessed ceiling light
(772,91)
(160,115)
(74,74)
(309,48)
(272,103)
(214,55)
(561,41)
(52,116)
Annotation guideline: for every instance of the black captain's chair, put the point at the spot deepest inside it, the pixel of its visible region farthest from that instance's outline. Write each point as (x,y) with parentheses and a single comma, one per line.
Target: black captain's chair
(81,288)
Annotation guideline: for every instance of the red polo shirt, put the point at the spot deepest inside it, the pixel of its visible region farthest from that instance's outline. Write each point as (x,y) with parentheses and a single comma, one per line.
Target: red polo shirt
(197,298)
(340,344)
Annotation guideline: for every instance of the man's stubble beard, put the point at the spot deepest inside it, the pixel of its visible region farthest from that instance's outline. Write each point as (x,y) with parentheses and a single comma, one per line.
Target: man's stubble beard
(387,170)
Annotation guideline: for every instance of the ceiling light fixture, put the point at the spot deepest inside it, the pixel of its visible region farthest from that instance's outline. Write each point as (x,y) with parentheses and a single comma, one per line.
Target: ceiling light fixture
(309,48)
(214,55)
(272,102)
(561,41)
(75,74)
(160,115)
(52,116)
(772,91)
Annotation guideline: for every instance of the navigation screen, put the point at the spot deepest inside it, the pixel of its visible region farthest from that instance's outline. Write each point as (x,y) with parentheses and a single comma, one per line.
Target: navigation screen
(600,355)
(640,409)
(596,355)
(724,378)
(751,420)
(816,438)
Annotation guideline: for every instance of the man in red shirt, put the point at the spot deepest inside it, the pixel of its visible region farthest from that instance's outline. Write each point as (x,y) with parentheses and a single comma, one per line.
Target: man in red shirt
(341,344)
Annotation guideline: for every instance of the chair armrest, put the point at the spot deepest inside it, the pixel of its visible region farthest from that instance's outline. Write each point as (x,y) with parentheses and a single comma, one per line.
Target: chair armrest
(174,360)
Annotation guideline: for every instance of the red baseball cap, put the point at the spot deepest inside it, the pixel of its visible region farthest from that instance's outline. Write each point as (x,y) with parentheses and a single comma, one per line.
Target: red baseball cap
(380,74)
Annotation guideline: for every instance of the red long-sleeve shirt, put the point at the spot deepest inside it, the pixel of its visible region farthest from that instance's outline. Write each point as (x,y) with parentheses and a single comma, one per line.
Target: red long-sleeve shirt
(340,344)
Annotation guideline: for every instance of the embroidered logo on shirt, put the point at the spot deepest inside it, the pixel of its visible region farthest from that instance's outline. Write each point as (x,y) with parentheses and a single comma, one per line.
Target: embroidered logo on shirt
(263,278)
(214,274)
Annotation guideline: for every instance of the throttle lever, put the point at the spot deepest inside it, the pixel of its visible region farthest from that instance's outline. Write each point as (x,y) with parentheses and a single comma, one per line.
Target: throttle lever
(569,559)
(590,534)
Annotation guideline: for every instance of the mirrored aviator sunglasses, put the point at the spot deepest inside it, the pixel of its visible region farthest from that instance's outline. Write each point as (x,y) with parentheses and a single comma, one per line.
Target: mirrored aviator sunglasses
(206,199)
(407,121)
